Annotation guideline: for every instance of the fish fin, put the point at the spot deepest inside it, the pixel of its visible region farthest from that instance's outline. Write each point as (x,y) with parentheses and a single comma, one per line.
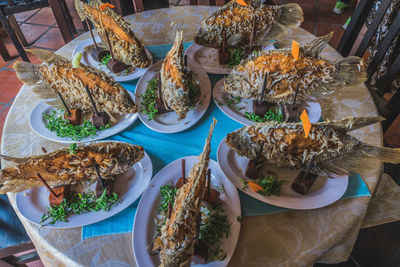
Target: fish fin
(276,32)
(13,159)
(351,123)
(44,91)
(315,47)
(44,55)
(56,103)
(383,154)
(291,15)
(350,71)
(27,72)
(79,6)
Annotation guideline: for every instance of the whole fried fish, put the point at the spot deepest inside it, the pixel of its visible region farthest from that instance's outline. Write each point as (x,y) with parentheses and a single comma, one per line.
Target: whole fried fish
(237,20)
(174,88)
(333,149)
(178,234)
(62,167)
(56,74)
(126,47)
(318,77)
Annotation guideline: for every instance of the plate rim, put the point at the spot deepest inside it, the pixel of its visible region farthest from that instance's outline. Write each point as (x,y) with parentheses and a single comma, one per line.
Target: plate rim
(267,199)
(148,175)
(168,129)
(236,207)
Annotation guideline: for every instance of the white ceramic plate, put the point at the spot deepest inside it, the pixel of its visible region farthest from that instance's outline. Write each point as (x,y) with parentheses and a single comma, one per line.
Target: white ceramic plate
(313,108)
(128,186)
(169,122)
(38,125)
(323,192)
(207,57)
(84,48)
(144,225)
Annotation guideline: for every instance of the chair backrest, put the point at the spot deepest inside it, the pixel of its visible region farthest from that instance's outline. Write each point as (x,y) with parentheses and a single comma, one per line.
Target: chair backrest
(358,20)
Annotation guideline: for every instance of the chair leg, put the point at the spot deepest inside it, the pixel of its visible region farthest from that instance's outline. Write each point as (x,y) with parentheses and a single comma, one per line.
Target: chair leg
(13,36)
(4,52)
(62,22)
(70,20)
(17,29)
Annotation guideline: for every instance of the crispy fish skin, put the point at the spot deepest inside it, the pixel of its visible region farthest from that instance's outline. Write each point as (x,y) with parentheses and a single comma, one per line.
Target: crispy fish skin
(62,167)
(236,20)
(178,234)
(333,149)
(174,87)
(126,46)
(318,77)
(56,74)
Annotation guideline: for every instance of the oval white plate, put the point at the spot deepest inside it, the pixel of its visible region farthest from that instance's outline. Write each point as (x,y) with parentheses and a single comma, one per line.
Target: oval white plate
(169,122)
(144,225)
(88,60)
(38,125)
(313,108)
(323,192)
(128,186)
(207,57)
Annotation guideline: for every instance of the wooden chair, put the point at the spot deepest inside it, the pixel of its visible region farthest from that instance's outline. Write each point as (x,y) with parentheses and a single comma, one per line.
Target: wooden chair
(10,7)
(358,19)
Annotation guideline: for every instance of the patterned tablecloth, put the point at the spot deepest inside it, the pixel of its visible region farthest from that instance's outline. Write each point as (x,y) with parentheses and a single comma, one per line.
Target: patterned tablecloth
(284,239)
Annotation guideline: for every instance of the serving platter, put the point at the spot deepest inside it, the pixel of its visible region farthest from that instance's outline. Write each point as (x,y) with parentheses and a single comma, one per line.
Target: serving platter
(313,108)
(33,203)
(38,125)
(325,190)
(144,225)
(207,58)
(86,46)
(170,122)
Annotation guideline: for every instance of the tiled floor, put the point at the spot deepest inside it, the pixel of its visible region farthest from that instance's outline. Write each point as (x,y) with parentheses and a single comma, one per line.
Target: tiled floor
(39,27)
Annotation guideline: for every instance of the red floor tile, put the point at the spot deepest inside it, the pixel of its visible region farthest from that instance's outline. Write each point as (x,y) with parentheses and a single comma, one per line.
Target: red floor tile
(44,16)
(52,39)
(10,85)
(3,116)
(21,17)
(33,32)
(392,135)
(325,15)
(323,29)
(2,62)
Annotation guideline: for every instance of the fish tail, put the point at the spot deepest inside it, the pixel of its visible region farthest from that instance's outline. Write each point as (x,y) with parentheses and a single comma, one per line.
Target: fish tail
(27,72)
(291,15)
(315,47)
(350,71)
(350,124)
(44,55)
(383,154)
(13,159)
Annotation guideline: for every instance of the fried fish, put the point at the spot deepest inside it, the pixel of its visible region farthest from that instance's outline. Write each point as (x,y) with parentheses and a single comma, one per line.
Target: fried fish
(179,233)
(56,74)
(333,149)
(317,77)
(237,20)
(126,47)
(62,167)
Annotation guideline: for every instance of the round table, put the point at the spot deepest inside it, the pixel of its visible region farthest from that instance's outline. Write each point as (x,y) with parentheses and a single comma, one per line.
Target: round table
(282,239)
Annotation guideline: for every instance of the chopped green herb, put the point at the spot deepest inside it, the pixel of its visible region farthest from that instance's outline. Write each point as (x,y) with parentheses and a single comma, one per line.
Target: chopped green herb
(72,148)
(150,98)
(168,193)
(243,181)
(269,116)
(105,59)
(235,56)
(63,128)
(232,102)
(79,203)
(270,185)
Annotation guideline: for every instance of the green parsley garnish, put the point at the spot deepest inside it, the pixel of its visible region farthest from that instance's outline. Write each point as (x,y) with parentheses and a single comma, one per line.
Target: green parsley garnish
(63,128)
(168,193)
(269,116)
(72,148)
(149,99)
(235,56)
(270,185)
(232,102)
(105,59)
(79,203)
(243,182)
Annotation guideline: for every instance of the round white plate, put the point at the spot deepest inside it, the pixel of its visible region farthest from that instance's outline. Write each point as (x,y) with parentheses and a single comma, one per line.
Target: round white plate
(313,108)
(208,58)
(169,122)
(84,47)
(38,125)
(128,186)
(144,225)
(323,192)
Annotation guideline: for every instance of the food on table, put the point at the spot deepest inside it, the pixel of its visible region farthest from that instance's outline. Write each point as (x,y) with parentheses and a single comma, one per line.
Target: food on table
(303,182)
(112,28)
(174,88)
(265,185)
(183,216)
(56,74)
(316,77)
(330,146)
(234,28)
(61,192)
(74,116)
(62,167)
